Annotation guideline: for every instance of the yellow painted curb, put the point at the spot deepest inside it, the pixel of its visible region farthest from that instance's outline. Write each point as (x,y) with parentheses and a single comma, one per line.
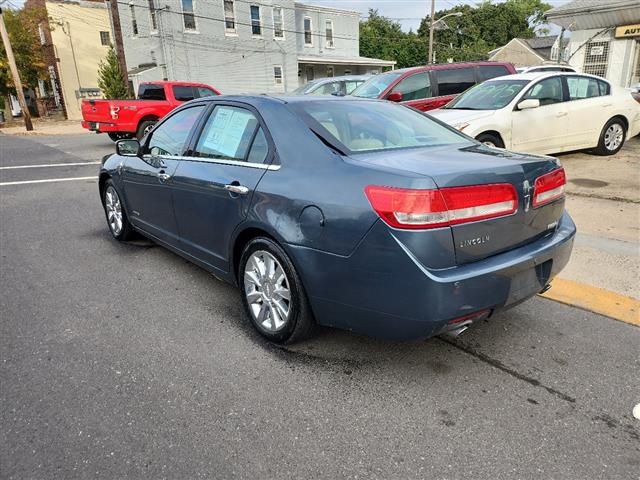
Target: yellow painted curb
(595,299)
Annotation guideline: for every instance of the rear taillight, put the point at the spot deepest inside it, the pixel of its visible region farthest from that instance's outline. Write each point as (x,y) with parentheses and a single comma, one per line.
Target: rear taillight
(113,110)
(549,187)
(420,209)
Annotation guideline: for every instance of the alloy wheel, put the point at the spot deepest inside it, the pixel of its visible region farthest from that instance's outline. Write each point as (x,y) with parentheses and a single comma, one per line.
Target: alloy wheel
(267,291)
(613,137)
(114,210)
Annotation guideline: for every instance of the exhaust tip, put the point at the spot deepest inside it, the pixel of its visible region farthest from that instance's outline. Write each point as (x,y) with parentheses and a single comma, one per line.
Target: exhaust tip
(455,333)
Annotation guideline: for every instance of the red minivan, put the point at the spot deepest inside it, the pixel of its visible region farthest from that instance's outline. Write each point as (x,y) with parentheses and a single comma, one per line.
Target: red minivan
(431,86)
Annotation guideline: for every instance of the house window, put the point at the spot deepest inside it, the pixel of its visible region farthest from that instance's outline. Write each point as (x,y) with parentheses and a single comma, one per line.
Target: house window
(596,57)
(134,22)
(43,39)
(152,15)
(308,39)
(277,74)
(188,16)
(278,23)
(229,16)
(256,28)
(329,34)
(104,39)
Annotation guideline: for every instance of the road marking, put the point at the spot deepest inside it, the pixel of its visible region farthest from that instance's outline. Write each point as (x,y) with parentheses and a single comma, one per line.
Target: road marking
(48,180)
(14,167)
(598,300)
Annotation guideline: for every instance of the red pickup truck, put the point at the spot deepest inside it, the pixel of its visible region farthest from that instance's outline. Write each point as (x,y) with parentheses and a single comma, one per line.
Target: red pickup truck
(129,118)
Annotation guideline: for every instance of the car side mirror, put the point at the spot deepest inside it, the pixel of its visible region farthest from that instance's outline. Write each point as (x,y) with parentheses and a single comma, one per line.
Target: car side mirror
(529,103)
(395,97)
(128,148)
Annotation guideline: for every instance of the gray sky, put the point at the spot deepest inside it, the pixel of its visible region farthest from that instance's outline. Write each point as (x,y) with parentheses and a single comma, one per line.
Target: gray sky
(407,12)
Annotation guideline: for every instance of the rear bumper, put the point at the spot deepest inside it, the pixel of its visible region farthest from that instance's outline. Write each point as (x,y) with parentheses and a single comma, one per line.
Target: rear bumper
(382,290)
(100,127)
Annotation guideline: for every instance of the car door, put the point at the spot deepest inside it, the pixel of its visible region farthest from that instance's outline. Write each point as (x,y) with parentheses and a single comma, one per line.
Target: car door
(542,129)
(147,179)
(415,90)
(214,185)
(587,111)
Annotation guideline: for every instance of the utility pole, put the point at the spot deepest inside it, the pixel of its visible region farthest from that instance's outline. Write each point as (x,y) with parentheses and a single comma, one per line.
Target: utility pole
(14,73)
(117,38)
(433,14)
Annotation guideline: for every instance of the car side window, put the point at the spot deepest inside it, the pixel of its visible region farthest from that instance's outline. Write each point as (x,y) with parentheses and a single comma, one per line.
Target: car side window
(452,81)
(183,93)
(605,88)
(582,87)
(169,138)
(227,134)
(350,86)
(151,91)
(548,91)
(259,148)
(205,92)
(485,72)
(327,89)
(414,87)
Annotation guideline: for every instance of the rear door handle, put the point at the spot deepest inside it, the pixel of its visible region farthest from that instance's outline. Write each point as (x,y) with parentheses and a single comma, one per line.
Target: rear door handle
(239,189)
(562,114)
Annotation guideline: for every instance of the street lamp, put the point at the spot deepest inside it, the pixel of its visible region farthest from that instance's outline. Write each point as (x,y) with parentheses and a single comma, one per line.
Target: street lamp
(433,24)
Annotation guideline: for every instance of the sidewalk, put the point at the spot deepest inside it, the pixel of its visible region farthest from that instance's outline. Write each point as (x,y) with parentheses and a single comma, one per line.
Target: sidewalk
(603,197)
(46,127)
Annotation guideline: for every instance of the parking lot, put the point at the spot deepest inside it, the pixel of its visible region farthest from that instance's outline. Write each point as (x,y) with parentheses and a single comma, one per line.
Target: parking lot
(127,361)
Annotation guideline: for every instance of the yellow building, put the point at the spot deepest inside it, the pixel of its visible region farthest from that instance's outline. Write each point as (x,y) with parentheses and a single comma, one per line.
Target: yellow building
(80,34)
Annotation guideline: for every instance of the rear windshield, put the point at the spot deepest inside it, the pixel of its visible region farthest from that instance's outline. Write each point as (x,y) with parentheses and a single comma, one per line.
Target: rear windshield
(490,95)
(151,91)
(374,87)
(362,126)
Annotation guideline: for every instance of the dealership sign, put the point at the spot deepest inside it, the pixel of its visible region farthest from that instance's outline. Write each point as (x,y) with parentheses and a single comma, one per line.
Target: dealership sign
(628,31)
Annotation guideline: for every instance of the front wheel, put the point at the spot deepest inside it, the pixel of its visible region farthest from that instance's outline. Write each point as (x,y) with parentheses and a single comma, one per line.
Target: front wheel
(272,293)
(490,140)
(611,138)
(117,220)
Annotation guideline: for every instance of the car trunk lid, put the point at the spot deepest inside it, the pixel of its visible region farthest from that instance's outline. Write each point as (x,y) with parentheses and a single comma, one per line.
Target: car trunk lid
(467,166)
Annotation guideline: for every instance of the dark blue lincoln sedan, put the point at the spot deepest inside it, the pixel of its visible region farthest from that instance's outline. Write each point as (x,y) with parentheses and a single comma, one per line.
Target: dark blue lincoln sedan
(358,214)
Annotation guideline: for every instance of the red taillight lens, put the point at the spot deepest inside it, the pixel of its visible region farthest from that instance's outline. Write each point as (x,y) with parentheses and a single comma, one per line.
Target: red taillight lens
(549,187)
(420,209)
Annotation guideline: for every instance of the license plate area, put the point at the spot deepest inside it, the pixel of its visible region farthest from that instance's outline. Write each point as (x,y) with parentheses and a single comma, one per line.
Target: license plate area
(529,282)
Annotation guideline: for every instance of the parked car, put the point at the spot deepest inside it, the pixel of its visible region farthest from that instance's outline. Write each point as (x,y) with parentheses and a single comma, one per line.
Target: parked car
(546,68)
(546,113)
(129,118)
(332,85)
(431,86)
(390,223)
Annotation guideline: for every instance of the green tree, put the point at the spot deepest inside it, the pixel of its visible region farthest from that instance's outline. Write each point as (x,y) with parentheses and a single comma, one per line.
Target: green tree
(383,38)
(110,77)
(484,27)
(22,27)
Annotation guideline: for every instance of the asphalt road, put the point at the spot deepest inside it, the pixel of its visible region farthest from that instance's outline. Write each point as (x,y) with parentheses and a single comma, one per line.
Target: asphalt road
(126,361)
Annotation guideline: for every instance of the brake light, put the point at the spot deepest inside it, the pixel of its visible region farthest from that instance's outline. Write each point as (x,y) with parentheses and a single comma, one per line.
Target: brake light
(420,209)
(549,187)
(114,111)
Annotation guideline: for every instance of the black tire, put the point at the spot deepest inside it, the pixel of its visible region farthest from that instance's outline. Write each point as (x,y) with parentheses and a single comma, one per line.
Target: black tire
(490,139)
(299,323)
(144,127)
(115,136)
(126,231)
(614,128)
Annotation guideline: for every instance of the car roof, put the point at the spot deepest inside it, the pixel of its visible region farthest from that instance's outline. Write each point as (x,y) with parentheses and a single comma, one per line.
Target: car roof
(284,99)
(340,78)
(529,76)
(444,66)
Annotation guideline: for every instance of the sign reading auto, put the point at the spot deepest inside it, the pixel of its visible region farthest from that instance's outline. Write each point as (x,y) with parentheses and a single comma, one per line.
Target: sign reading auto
(628,31)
